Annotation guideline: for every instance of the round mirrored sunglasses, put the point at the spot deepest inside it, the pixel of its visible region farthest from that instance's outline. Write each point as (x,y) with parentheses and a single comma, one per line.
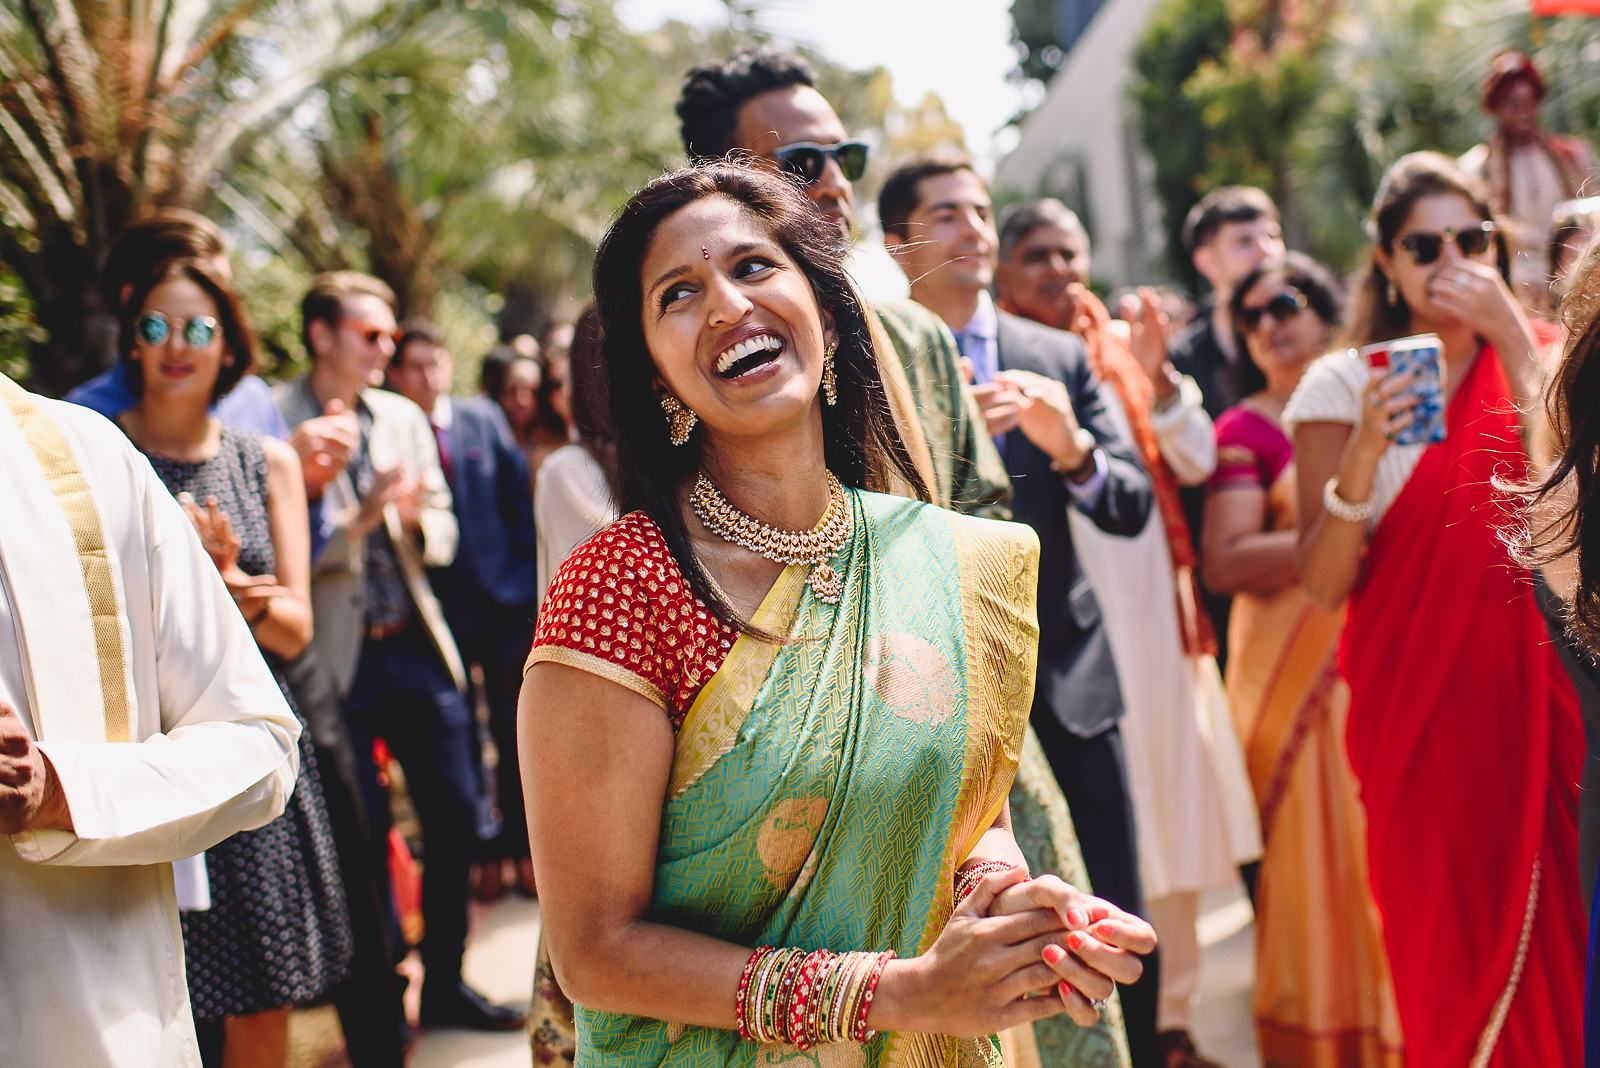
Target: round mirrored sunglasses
(154,328)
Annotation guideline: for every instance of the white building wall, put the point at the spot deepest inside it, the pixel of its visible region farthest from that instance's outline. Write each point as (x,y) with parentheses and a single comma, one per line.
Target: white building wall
(1082,144)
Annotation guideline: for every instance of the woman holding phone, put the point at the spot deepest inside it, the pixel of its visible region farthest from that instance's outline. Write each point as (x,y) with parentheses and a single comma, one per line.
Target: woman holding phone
(1463,731)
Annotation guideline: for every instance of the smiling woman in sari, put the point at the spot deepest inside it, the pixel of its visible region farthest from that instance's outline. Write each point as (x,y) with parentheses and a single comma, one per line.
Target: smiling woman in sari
(769,708)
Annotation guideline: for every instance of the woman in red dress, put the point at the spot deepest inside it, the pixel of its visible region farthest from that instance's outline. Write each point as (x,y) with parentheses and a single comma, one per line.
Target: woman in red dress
(1463,731)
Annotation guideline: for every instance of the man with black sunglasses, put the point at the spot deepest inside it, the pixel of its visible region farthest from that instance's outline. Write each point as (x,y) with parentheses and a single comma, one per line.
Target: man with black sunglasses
(764,103)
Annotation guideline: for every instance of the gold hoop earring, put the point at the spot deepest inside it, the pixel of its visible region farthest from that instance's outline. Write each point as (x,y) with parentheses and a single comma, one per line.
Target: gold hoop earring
(830,384)
(680,420)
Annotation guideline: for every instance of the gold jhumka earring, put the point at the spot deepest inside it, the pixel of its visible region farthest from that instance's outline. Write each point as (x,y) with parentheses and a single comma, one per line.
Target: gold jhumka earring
(680,420)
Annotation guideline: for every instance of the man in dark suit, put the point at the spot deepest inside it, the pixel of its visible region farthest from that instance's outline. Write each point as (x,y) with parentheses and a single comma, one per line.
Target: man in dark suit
(487,592)
(1044,407)
(1227,233)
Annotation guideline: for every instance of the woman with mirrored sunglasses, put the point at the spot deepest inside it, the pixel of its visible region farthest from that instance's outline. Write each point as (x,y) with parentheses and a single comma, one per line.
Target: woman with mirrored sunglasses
(1322,992)
(1464,731)
(277,931)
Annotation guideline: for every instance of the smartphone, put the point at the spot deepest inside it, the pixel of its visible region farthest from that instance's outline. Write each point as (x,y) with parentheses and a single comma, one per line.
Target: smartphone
(1418,355)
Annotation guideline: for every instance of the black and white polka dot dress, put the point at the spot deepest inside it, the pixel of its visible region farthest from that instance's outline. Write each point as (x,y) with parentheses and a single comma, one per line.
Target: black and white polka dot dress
(277,932)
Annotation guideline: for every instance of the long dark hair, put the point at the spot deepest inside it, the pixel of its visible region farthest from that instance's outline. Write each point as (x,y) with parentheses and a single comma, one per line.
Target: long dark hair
(1564,506)
(590,417)
(861,443)
(1413,177)
(1324,299)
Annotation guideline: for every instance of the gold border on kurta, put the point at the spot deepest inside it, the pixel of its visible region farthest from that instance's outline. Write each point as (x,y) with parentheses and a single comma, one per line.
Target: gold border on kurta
(71,491)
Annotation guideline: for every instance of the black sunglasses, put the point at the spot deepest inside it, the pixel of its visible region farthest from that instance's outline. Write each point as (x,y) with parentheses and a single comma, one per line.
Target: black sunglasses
(1425,246)
(1283,307)
(807,159)
(153,328)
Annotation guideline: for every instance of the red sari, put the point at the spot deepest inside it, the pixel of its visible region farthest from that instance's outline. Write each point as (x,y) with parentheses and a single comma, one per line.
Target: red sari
(1465,736)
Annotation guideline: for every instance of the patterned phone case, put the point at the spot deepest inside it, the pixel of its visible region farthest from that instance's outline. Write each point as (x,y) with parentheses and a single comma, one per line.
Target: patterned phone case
(1428,417)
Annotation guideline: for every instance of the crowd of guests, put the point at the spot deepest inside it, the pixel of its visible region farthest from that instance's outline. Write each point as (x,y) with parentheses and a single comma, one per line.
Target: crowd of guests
(1214,622)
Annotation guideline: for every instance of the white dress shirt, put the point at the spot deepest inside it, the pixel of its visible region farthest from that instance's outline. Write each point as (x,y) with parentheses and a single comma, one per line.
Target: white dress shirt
(91,955)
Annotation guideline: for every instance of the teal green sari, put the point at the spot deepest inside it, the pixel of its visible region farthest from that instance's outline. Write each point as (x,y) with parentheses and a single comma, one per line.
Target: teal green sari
(824,791)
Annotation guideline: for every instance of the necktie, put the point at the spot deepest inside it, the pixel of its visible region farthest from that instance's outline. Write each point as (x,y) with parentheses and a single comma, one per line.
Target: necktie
(443,438)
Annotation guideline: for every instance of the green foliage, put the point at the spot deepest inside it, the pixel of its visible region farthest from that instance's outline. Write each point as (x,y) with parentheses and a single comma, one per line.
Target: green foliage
(1033,30)
(1183,35)
(270,287)
(1314,101)
(19,332)
(469,153)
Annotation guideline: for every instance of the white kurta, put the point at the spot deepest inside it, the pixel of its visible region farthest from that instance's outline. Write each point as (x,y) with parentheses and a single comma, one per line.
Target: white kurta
(91,956)
(1192,806)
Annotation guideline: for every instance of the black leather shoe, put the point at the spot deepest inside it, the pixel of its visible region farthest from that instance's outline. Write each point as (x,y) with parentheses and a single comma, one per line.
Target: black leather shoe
(459,1005)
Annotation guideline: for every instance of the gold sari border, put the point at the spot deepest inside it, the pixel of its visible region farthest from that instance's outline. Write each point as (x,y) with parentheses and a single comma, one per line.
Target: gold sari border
(724,703)
(71,491)
(1502,1007)
(594,665)
(998,571)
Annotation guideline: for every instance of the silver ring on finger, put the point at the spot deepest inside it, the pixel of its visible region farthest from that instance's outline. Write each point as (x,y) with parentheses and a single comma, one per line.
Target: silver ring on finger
(1099,1003)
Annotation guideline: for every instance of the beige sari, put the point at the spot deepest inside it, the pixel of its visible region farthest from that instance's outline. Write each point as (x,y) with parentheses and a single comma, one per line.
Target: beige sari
(1323,998)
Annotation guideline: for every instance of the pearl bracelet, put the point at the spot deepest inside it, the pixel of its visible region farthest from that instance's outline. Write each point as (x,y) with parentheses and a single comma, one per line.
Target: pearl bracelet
(1339,508)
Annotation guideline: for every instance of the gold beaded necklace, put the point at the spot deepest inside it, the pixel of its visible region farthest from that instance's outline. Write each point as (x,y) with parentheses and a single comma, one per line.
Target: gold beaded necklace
(814,547)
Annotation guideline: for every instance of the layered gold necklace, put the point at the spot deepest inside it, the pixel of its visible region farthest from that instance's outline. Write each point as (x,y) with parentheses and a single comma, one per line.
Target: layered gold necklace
(814,547)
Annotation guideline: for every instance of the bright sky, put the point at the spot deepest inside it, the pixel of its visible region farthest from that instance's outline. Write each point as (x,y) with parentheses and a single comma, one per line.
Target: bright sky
(960,49)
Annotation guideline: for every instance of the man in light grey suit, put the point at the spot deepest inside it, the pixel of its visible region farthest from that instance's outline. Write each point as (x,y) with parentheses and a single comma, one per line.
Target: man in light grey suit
(374,463)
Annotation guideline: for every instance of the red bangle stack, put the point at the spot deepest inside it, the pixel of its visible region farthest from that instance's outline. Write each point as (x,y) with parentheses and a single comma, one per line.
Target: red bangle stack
(807,999)
(974,872)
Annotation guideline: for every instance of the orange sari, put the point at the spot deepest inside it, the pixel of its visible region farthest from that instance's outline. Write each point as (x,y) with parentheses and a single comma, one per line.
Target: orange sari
(1323,997)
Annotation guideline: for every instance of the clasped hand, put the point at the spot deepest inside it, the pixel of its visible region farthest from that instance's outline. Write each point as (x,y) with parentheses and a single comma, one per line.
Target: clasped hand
(1040,407)
(30,795)
(1021,949)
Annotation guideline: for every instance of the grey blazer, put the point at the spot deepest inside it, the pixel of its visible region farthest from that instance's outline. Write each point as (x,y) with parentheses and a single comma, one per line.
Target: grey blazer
(400,435)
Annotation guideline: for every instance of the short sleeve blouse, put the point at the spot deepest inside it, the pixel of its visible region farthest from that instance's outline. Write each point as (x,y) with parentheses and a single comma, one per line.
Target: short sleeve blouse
(1251,450)
(619,607)
(1330,392)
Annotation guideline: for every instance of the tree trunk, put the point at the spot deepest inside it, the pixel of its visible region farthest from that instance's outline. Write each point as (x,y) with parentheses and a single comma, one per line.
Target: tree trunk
(81,331)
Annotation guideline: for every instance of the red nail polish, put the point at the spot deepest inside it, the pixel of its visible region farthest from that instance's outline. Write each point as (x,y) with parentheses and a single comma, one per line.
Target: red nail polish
(1105,930)
(1077,918)
(1075,941)
(1053,954)
(1100,912)
(1066,991)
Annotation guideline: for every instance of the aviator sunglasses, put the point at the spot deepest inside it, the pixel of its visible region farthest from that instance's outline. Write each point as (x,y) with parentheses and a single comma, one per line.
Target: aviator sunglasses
(153,328)
(1281,308)
(807,159)
(1425,246)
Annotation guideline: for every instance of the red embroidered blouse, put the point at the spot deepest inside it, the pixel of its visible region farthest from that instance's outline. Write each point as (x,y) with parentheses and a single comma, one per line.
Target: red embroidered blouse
(619,608)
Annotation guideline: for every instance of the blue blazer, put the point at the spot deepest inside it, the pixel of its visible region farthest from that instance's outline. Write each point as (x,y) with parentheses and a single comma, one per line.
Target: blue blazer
(1077,679)
(493,499)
